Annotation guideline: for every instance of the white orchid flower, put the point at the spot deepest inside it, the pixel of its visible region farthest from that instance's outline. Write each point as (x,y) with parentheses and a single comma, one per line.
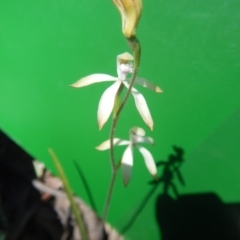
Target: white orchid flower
(137,135)
(106,103)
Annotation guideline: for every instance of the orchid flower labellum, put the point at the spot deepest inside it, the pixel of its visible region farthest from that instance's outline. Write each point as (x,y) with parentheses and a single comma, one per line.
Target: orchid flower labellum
(106,103)
(137,135)
(130,11)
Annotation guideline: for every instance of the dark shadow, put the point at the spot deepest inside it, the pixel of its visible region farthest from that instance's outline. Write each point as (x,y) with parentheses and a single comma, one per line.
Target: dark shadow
(86,186)
(193,216)
(197,216)
(171,169)
(23,216)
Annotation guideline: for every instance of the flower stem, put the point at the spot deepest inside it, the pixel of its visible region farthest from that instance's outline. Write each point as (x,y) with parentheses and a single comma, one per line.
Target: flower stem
(75,209)
(135,46)
(109,195)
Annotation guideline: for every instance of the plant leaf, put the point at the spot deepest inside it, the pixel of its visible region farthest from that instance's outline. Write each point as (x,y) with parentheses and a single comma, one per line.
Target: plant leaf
(77,212)
(93,78)
(106,103)
(149,161)
(127,163)
(116,142)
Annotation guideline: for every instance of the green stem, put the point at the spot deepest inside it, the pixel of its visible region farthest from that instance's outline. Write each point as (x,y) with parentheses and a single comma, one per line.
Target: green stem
(75,209)
(134,44)
(109,196)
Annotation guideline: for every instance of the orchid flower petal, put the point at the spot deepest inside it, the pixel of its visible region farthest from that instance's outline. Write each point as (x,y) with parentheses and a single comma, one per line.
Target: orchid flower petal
(142,107)
(116,142)
(147,84)
(125,57)
(137,135)
(123,69)
(149,161)
(124,65)
(106,103)
(127,163)
(93,78)
(140,139)
(137,131)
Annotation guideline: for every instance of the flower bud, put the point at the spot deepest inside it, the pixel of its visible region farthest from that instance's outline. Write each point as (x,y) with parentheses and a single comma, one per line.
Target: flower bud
(130,11)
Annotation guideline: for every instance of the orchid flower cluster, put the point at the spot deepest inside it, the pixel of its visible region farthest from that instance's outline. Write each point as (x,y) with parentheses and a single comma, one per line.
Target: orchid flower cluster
(106,106)
(110,102)
(106,103)
(137,135)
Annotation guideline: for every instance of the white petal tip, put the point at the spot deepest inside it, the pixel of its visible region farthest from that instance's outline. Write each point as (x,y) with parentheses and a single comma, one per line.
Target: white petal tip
(149,123)
(127,164)
(158,90)
(104,145)
(101,123)
(74,85)
(100,126)
(126,179)
(150,126)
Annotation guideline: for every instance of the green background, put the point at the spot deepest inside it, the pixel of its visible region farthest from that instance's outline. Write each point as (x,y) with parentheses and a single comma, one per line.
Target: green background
(189,48)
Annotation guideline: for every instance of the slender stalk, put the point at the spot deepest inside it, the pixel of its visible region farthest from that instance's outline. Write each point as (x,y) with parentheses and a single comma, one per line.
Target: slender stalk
(134,44)
(109,195)
(75,209)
